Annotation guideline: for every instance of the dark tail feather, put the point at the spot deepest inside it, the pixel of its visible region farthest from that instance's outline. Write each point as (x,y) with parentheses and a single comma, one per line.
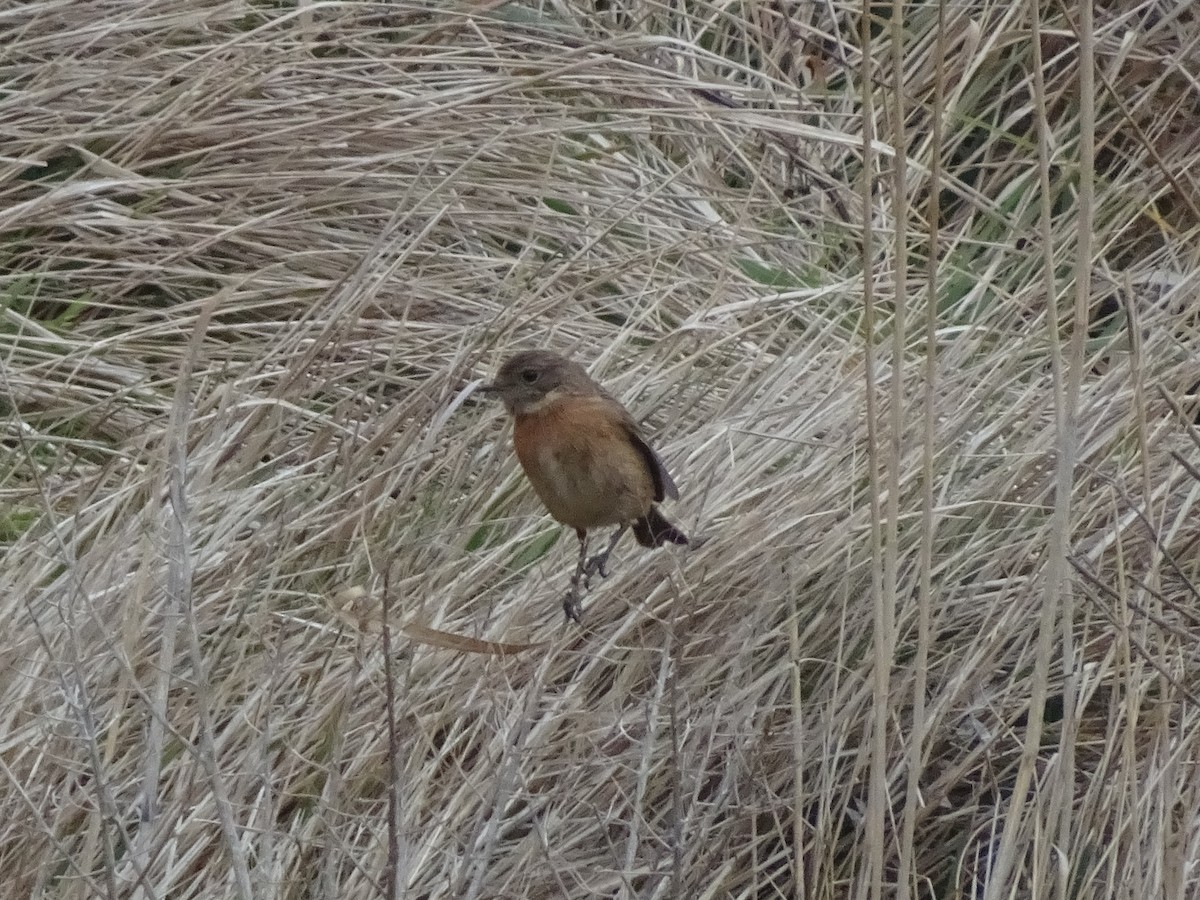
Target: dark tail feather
(653,530)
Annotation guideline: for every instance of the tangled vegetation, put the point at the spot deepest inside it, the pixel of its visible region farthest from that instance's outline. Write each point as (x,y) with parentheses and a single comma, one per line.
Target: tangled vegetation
(910,304)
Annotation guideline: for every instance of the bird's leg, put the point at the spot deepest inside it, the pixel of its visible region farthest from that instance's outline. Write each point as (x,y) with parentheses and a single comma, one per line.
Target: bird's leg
(599,562)
(571,603)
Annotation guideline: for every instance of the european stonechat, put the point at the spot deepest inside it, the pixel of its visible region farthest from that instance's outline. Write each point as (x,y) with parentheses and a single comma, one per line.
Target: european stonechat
(586,458)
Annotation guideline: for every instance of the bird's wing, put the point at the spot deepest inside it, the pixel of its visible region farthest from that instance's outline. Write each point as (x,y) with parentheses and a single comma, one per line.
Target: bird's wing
(664,484)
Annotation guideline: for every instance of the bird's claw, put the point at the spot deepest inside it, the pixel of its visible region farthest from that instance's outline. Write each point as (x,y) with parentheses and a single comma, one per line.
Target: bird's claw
(581,582)
(597,565)
(572,606)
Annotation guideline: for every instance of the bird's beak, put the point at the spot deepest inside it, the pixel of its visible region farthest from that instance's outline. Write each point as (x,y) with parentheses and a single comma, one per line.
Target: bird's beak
(488,388)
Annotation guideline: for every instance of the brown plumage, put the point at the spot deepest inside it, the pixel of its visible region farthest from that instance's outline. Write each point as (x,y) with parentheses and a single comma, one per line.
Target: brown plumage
(584,456)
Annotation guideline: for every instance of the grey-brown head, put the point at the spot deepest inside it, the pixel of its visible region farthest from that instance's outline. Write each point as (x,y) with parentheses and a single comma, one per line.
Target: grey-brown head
(527,378)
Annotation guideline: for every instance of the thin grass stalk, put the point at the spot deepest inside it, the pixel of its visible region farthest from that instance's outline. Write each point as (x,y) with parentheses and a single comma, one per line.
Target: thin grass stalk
(799,833)
(395,879)
(1063,794)
(1131,669)
(180,575)
(1053,602)
(898,138)
(909,877)
(870,877)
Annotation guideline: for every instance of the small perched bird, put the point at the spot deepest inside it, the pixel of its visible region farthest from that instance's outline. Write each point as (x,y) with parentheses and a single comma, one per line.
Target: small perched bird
(586,458)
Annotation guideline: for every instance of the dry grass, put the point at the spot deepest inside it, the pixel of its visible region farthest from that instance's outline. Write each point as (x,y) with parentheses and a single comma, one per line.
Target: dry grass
(942,639)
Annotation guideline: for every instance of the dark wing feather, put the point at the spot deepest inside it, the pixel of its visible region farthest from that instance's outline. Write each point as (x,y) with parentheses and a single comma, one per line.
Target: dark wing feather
(664,484)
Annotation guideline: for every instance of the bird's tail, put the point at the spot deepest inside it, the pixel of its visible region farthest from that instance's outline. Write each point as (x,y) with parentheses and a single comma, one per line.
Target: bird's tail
(653,530)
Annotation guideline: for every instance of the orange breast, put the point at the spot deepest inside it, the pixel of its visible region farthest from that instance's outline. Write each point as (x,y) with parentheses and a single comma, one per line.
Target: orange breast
(582,464)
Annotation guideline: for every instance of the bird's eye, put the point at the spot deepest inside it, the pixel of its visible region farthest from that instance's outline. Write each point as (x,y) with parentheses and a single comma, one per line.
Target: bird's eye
(529,376)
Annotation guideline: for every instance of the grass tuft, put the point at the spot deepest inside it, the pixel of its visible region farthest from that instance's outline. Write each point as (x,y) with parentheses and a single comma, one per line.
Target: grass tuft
(254,259)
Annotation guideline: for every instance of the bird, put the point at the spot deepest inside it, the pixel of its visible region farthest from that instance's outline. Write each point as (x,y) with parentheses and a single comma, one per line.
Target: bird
(586,458)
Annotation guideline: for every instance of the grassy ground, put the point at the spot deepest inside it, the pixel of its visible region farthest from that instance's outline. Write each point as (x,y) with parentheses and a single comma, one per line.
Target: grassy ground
(923,359)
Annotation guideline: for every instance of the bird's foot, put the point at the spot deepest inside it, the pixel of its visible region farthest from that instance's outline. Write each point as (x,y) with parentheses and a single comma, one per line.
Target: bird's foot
(572,604)
(573,601)
(597,565)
